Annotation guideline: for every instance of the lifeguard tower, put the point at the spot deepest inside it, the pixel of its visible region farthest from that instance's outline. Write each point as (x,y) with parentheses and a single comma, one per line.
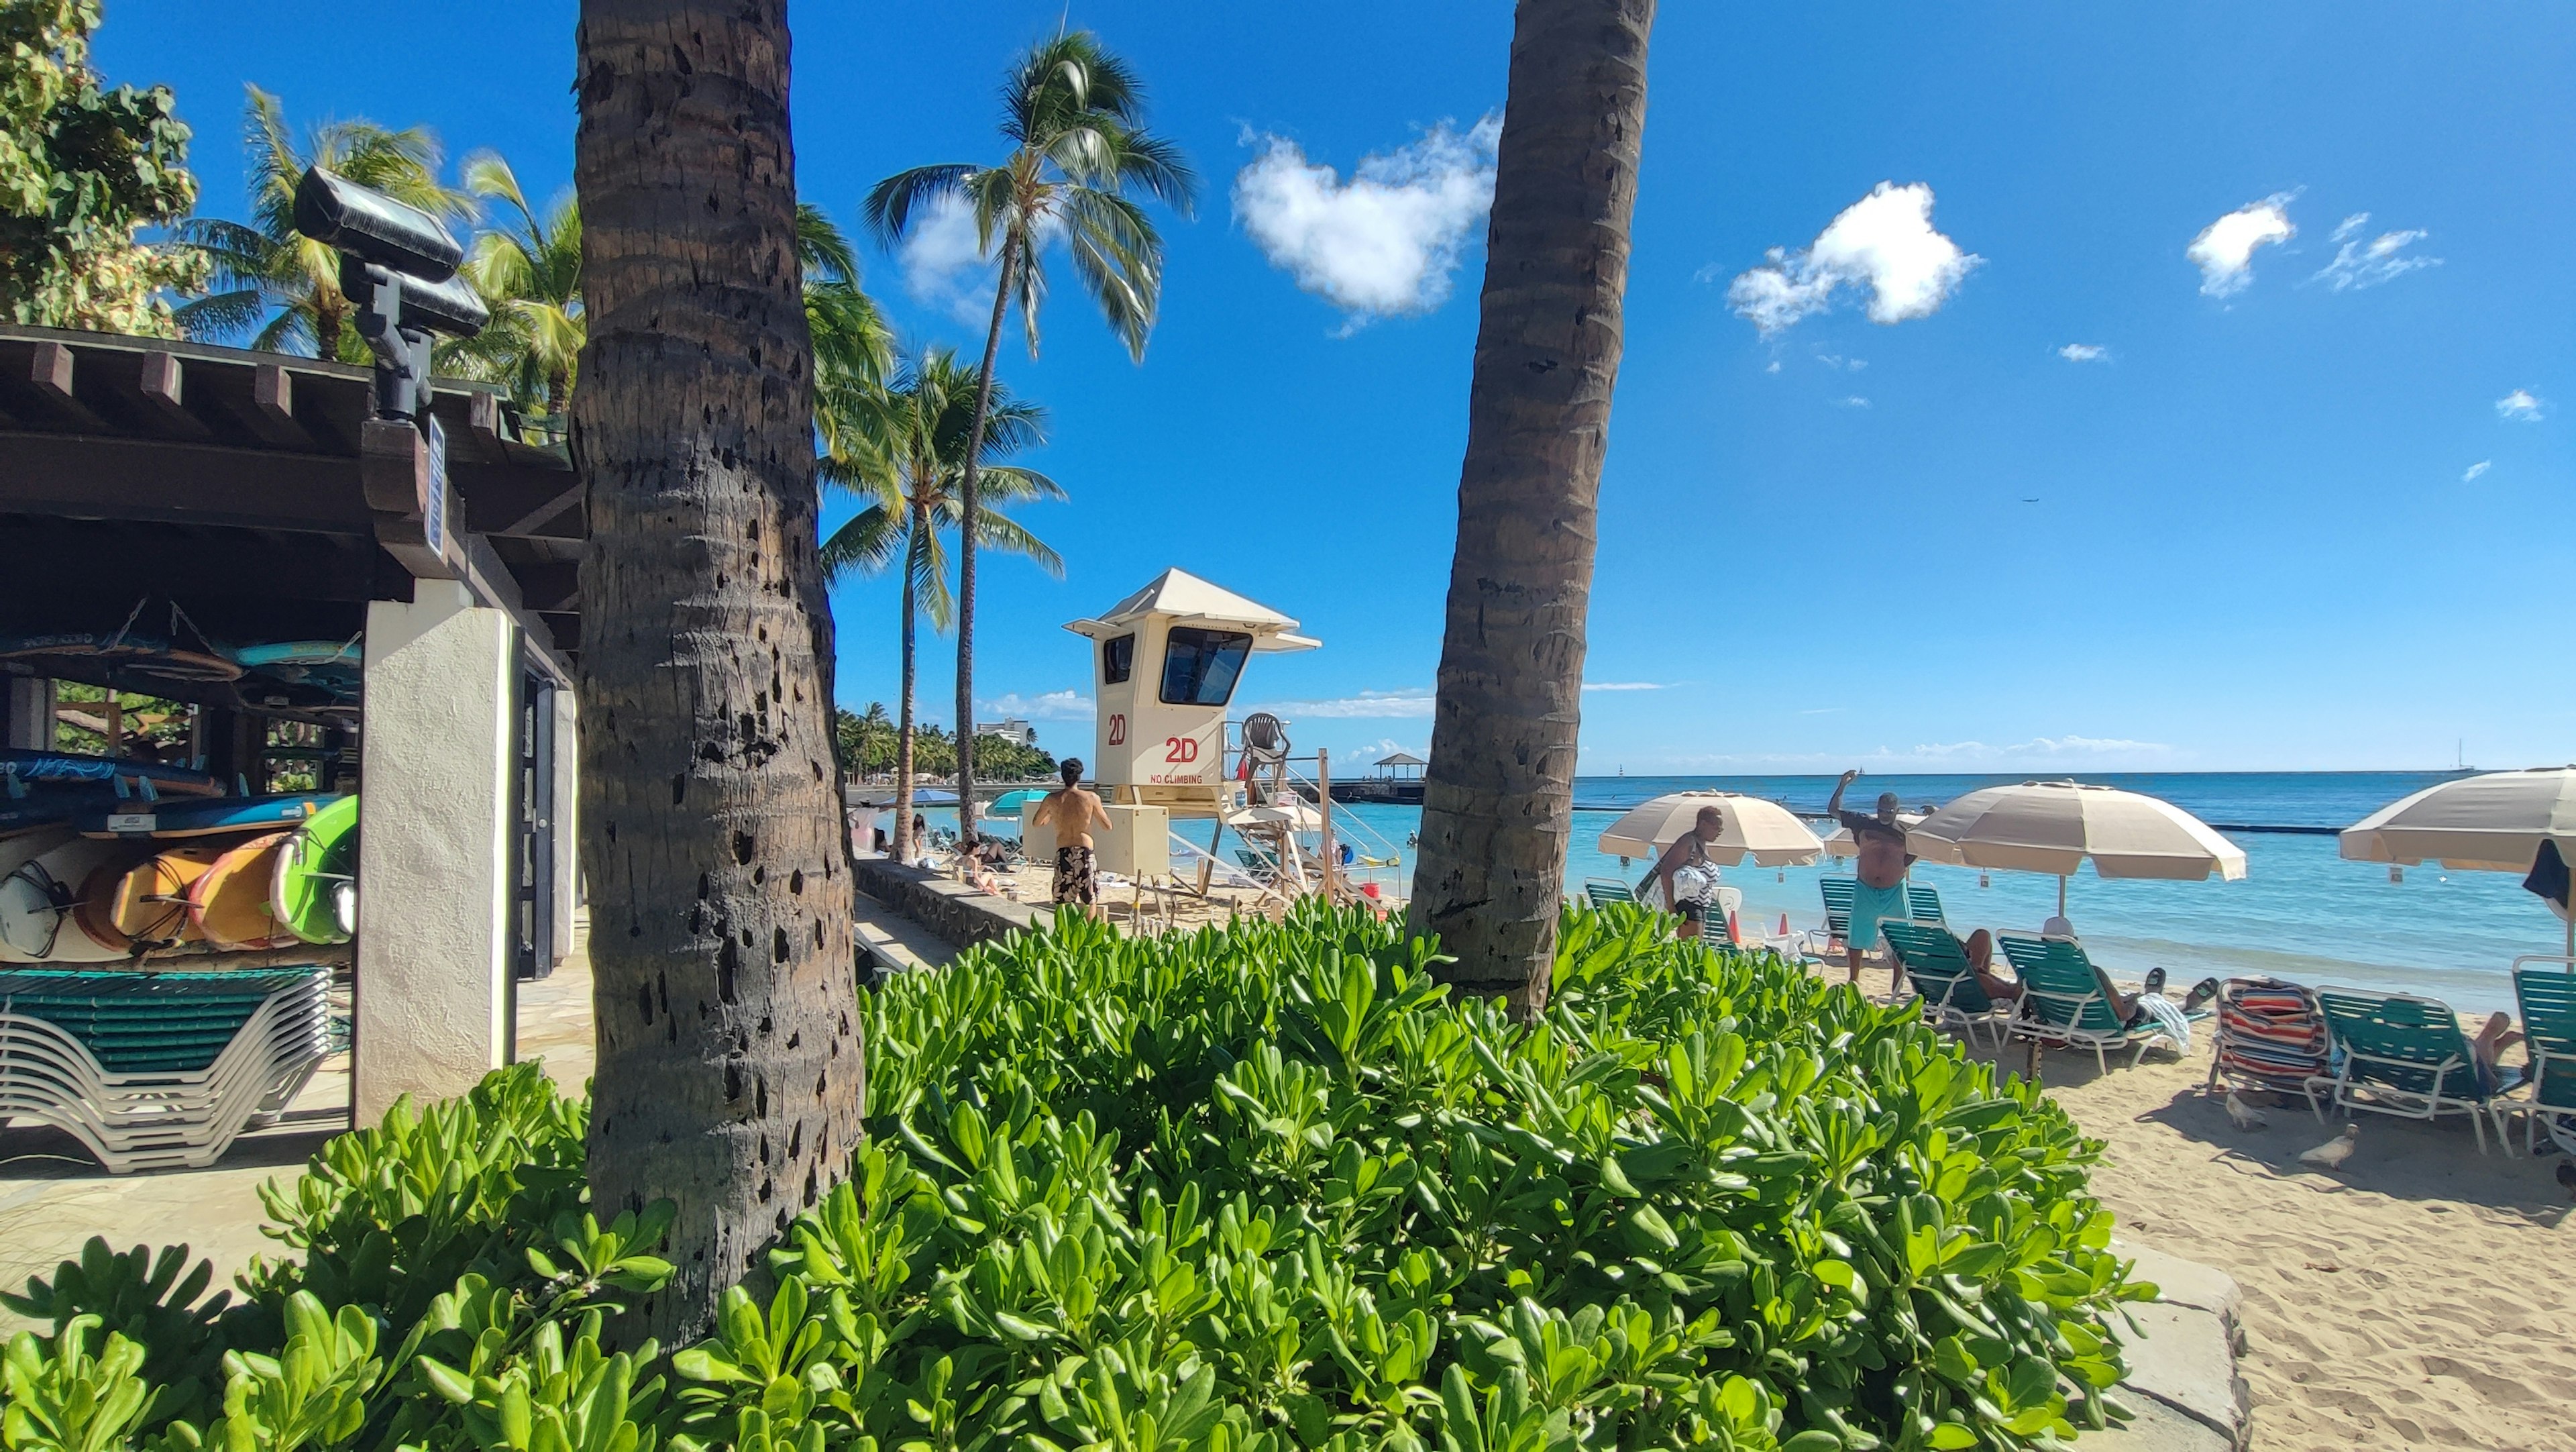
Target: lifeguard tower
(1165,664)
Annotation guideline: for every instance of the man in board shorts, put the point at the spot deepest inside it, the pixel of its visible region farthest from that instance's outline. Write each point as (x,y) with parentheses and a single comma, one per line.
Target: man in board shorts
(1073,812)
(1879,894)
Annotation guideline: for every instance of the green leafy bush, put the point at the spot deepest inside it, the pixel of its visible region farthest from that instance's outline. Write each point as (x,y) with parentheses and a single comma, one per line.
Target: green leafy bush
(1266,1187)
(1269,1186)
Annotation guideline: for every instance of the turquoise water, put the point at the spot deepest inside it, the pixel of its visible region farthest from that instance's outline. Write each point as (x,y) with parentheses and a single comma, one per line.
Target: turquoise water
(2301,912)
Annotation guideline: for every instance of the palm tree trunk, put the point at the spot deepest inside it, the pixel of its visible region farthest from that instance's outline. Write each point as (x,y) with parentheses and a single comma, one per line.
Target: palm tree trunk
(969,512)
(326,332)
(914,548)
(1498,797)
(730,1077)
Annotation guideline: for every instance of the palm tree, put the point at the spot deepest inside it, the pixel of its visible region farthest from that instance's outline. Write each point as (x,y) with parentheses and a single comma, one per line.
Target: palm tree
(266,264)
(1498,797)
(910,462)
(529,273)
(1074,116)
(731,1075)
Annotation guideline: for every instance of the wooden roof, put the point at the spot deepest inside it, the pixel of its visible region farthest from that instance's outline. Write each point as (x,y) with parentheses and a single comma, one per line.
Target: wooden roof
(227,481)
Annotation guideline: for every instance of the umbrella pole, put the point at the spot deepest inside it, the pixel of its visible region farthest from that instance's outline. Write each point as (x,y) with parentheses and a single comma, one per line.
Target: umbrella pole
(2061,895)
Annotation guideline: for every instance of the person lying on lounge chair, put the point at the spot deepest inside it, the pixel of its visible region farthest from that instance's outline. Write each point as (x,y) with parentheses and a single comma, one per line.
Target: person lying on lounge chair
(2489,1046)
(1979,947)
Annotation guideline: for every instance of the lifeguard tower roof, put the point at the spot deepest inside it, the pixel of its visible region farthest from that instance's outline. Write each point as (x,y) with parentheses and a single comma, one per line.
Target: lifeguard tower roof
(1191,601)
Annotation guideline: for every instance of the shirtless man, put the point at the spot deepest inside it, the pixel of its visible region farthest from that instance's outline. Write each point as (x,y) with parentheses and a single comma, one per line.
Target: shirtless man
(1879,895)
(1073,812)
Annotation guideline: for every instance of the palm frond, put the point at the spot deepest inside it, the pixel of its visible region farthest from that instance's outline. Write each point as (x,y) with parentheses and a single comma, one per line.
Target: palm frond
(1119,259)
(822,249)
(995,531)
(220,315)
(864,545)
(893,203)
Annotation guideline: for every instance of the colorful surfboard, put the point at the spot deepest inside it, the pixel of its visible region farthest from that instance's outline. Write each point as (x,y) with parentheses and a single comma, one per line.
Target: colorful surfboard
(149,903)
(230,903)
(318,868)
(42,918)
(167,819)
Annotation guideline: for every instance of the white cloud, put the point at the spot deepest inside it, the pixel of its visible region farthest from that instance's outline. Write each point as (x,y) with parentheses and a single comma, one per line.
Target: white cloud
(1854,401)
(2349,226)
(2520,406)
(2359,265)
(1774,366)
(1629,685)
(1369,753)
(2039,753)
(2224,250)
(944,268)
(1409,703)
(1883,242)
(1051,706)
(2476,469)
(1383,243)
(2085,353)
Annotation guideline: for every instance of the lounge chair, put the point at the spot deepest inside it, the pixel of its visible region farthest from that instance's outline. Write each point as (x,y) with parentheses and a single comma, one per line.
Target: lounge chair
(2272,1035)
(1944,981)
(2061,1001)
(1603,891)
(157,1071)
(2404,1055)
(1924,903)
(2547,997)
(1258,864)
(1838,906)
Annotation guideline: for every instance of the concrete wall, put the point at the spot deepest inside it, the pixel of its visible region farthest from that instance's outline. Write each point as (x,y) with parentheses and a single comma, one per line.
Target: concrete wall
(435,993)
(958,914)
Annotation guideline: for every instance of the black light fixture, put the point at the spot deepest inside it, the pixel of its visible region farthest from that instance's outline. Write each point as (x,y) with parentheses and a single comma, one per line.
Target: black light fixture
(398,266)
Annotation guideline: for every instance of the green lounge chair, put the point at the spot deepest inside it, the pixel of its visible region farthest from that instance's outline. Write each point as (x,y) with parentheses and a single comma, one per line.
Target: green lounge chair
(1924,903)
(1257,865)
(2404,1055)
(1603,891)
(1946,984)
(2061,1001)
(2547,997)
(1838,905)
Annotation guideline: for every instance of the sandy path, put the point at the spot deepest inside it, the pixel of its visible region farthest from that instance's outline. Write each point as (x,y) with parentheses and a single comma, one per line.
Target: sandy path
(2424,1297)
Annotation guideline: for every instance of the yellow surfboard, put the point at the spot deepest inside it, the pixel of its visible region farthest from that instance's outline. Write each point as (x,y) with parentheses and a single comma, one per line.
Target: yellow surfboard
(150,903)
(230,903)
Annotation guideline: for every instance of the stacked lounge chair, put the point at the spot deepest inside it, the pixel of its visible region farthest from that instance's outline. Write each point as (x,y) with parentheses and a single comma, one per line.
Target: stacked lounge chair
(157,1070)
(1922,904)
(1952,996)
(2547,998)
(2272,1036)
(2404,1055)
(2061,1001)
(1604,891)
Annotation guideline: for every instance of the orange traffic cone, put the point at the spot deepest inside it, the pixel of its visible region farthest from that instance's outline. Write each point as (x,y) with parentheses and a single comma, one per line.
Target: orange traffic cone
(1784,925)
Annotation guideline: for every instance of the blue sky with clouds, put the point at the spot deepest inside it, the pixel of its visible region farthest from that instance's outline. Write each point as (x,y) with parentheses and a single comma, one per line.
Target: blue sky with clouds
(2010,387)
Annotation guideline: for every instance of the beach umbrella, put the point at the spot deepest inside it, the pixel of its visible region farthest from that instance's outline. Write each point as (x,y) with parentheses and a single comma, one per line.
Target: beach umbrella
(2054,826)
(2494,822)
(1296,814)
(1756,827)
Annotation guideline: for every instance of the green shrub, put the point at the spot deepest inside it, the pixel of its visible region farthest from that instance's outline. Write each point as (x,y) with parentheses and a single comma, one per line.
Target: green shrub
(1265,1187)
(1269,1186)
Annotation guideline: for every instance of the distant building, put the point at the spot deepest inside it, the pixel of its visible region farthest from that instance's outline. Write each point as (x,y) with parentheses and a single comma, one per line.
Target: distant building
(1014,730)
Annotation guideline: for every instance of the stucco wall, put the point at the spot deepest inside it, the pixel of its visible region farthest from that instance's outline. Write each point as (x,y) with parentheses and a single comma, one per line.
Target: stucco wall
(434,986)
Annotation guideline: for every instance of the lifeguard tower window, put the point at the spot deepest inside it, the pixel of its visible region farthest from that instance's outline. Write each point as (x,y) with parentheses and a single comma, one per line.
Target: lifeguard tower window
(1117,659)
(1200,666)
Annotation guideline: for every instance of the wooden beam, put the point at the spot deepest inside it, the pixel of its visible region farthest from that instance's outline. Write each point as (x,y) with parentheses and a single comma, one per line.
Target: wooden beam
(483,421)
(75,476)
(50,371)
(528,525)
(161,380)
(549,588)
(271,414)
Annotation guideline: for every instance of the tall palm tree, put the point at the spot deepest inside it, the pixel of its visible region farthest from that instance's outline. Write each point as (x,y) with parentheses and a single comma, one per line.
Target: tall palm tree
(909,462)
(1074,116)
(266,264)
(731,1074)
(528,270)
(1497,804)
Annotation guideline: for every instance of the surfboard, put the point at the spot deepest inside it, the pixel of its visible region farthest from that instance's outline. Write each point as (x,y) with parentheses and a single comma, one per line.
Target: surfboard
(331,666)
(320,859)
(41,898)
(230,903)
(39,769)
(166,819)
(149,902)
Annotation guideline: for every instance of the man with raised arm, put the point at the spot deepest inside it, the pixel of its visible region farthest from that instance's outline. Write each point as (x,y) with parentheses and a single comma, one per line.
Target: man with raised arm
(1879,895)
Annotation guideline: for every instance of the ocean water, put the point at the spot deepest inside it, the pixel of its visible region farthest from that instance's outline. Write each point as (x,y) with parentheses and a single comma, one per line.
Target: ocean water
(2301,912)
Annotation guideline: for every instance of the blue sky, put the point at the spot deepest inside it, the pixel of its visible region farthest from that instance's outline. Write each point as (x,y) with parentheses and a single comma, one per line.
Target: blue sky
(2308,507)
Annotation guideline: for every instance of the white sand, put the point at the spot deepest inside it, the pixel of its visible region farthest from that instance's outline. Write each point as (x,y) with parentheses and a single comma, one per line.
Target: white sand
(2424,1296)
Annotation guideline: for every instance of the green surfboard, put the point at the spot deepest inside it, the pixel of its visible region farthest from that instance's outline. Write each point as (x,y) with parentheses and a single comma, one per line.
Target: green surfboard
(312,872)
